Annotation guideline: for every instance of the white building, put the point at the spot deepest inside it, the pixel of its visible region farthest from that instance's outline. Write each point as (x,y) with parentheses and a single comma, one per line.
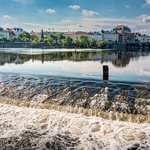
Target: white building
(110,37)
(76,35)
(15,30)
(142,38)
(120,29)
(95,35)
(4,33)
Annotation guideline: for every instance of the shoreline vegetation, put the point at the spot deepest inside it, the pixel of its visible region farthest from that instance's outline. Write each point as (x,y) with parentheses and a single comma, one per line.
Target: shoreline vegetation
(57,40)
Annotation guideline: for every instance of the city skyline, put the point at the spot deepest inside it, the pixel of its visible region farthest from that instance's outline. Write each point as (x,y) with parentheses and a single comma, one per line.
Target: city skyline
(75,15)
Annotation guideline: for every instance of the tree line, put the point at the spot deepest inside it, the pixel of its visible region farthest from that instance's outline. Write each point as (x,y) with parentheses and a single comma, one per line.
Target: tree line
(57,40)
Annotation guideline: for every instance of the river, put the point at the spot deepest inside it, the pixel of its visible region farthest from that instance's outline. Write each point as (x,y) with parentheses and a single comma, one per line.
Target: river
(57,99)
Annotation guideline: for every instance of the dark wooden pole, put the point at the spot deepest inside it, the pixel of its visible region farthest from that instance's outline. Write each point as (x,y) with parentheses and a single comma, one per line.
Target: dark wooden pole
(105,72)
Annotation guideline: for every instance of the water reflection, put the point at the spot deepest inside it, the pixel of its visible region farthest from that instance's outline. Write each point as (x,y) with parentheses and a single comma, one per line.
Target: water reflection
(123,65)
(118,58)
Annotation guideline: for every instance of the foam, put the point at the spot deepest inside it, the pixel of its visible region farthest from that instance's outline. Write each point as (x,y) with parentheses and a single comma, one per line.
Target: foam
(84,132)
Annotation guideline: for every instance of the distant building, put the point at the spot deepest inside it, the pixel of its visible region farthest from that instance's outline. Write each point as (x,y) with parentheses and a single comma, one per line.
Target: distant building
(4,33)
(76,35)
(96,35)
(9,33)
(124,34)
(120,29)
(110,37)
(119,34)
(17,31)
(141,38)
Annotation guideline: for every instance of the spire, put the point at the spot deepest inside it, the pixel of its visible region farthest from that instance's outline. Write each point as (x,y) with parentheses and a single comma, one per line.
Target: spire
(42,35)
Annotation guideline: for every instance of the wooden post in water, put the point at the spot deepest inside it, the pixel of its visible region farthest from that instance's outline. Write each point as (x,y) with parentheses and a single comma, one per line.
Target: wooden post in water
(105,72)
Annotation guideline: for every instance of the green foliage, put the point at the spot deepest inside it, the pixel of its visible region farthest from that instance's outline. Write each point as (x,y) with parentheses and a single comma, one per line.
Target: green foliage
(3,39)
(34,37)
(93,42)
(24,36)
(49,40)
(33,43)
(84,41)
(68,42)
(59,40)
(76,42)
(101,44)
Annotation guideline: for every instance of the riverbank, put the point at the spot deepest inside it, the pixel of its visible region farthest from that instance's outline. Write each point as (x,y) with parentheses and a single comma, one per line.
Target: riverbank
(119,46)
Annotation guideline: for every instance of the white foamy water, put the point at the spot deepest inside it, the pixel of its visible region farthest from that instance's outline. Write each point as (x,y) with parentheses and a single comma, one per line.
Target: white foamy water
(89,133)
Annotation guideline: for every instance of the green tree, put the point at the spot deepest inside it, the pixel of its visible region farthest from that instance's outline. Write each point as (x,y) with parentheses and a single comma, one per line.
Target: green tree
(68,41)
(59,37)
(24,36)
(93,42)
(101,44)
(76,42)
(84,41)
(33,43)
(34,37)
(4,39)
(49,39)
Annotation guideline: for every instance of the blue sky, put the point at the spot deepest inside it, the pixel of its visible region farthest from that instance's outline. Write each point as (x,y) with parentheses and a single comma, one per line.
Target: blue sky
(75,15)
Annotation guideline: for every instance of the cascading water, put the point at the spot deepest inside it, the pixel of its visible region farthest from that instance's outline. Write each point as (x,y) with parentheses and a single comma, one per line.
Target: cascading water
(60,115)
(76,111)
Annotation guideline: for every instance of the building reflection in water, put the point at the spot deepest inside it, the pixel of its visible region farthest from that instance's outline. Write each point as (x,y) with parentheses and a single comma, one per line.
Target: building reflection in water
(117,58)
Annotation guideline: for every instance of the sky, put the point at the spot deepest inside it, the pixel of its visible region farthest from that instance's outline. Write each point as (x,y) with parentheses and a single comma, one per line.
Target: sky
(75,15)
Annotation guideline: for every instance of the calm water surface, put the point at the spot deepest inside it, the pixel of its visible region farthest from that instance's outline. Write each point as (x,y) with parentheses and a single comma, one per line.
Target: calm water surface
(128,66)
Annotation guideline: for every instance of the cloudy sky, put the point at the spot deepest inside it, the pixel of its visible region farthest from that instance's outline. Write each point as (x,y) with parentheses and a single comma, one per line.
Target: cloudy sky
(75,15)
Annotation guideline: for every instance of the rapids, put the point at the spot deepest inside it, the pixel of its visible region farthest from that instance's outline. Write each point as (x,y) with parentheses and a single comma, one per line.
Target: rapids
(130,98)
(37,129)
(57,113)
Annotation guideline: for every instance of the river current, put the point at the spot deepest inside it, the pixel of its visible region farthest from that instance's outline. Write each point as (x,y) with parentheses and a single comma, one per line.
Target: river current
(57,99)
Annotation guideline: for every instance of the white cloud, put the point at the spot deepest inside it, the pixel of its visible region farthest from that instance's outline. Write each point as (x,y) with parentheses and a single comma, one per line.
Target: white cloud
(64,22)
(144,18)
(89,13)
(147,3)
(35,24)
(127,6)
(110,23)
(7,25)
(75,7)
(22,1)
(51,11)
(67,21)
(7,17)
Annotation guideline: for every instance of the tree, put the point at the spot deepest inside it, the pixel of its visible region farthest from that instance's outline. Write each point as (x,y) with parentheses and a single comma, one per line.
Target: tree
(93,42)
(49,40)
(59,37)
(33,43)
(68,41)
(34,37)
(76,42)
(3,39)
(101,44)
(84,41)
(24,36)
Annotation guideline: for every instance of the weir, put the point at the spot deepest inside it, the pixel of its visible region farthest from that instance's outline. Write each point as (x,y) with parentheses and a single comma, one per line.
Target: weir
(121,101)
